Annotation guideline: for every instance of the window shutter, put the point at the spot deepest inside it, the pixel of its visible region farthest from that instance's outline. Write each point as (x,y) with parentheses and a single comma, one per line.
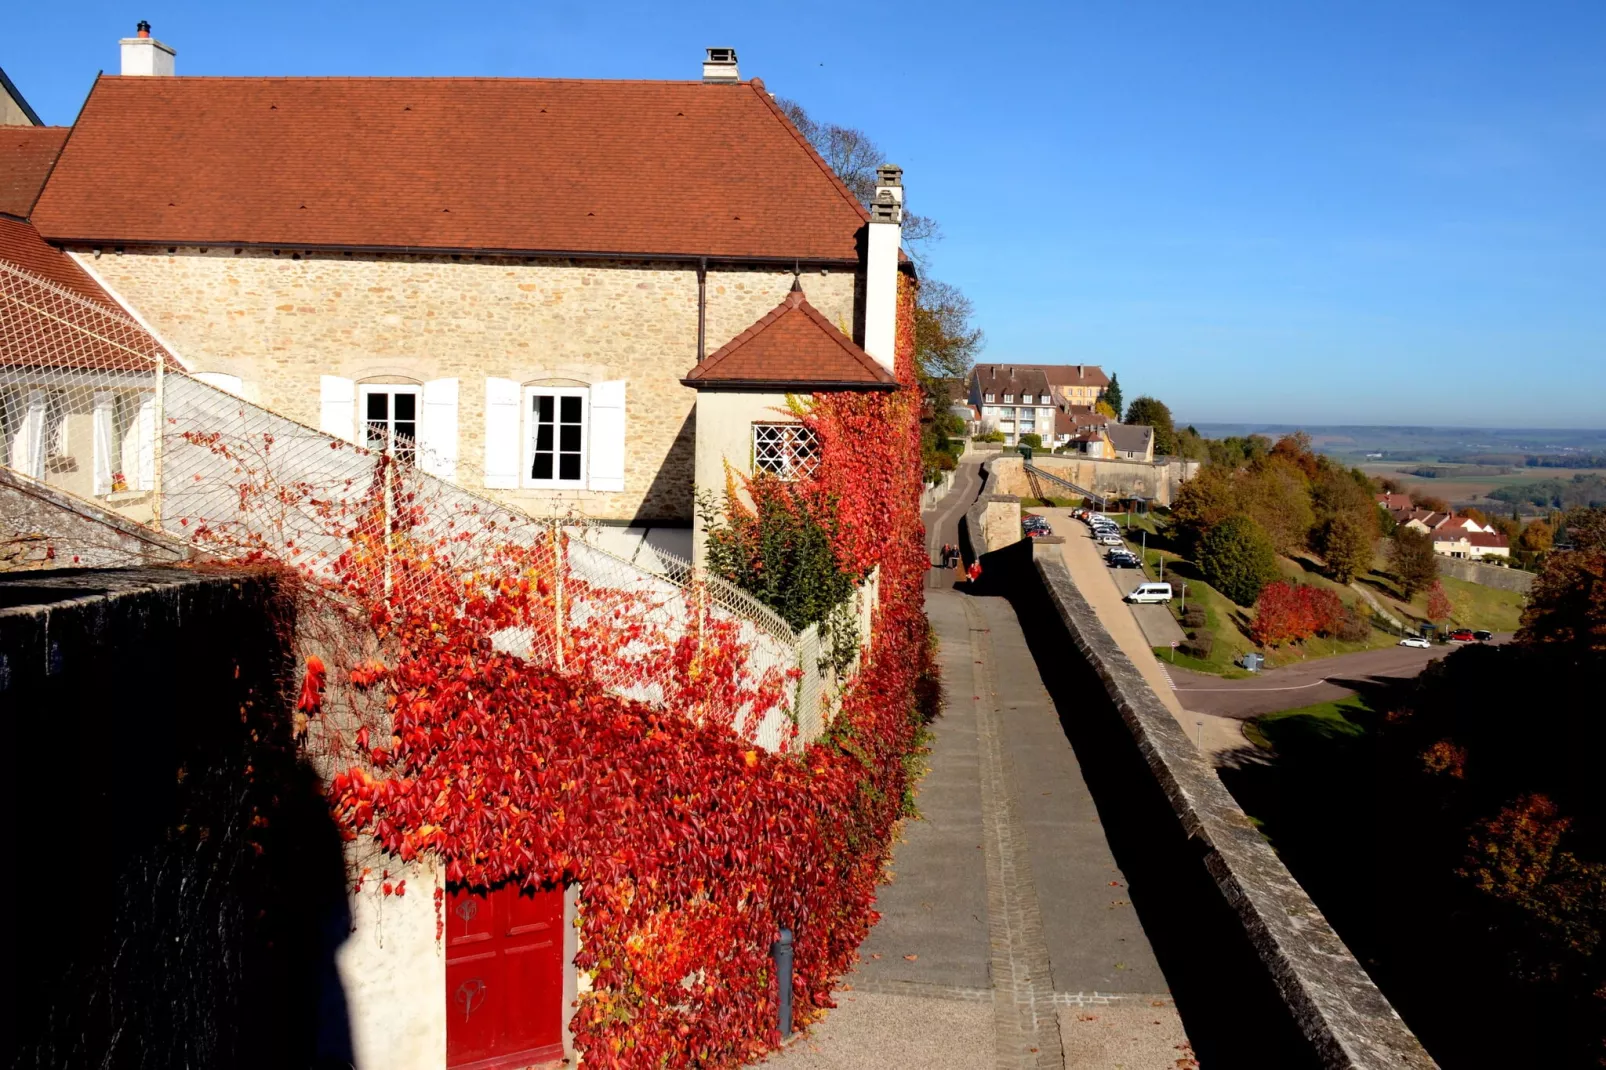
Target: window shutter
(437,431)
(146,441)
(337,407)
(606,438)
(502,444)
(28,448)
(105,434)
(229,384)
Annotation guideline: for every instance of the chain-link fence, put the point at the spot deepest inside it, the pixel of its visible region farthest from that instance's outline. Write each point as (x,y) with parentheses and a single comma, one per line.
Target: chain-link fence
(93,405)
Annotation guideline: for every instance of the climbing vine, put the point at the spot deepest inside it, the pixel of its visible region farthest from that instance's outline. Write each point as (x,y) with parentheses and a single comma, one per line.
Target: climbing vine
(691,846)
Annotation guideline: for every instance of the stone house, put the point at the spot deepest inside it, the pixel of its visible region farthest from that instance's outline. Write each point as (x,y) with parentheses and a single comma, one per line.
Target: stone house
(527,286)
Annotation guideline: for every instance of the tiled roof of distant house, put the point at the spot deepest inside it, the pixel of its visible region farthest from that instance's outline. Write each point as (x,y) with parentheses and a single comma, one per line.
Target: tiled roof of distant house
(1013,379)
(1130,438)
(1487,538)
(473,164)
(1391,502)
(792,345)
(1069,418)
(26,155)
(1075,374)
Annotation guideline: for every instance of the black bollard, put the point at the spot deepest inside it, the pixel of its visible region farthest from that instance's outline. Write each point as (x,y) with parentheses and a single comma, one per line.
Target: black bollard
(781,950)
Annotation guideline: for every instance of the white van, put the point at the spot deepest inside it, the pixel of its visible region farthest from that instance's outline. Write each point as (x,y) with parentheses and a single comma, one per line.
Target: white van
(1150,592)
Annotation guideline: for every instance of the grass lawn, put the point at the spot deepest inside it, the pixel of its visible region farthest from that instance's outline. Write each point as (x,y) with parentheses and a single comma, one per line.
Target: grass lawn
(1476,606)
(1309,725)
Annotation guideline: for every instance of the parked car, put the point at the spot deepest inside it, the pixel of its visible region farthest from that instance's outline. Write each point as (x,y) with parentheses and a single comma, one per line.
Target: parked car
(1031,521)
(1122,561)
(1482,636)
(1149,592)
(1415,640)
(1110,539)
(1462,635)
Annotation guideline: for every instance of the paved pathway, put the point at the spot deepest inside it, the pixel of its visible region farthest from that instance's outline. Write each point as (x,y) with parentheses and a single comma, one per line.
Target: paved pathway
(1007,936)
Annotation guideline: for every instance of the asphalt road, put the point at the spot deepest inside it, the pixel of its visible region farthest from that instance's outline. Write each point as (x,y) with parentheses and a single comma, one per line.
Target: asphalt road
(1318,680)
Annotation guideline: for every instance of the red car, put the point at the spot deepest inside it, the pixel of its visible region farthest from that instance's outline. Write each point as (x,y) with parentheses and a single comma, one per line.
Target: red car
(1462,635)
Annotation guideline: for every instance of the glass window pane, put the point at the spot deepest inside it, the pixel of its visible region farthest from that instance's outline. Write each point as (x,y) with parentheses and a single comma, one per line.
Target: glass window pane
(543,408)
(569,437)
(376,436)
(570,410)
(568,466)
(406,430)
(542,469)
(543,437)
(406,406)
(378,406)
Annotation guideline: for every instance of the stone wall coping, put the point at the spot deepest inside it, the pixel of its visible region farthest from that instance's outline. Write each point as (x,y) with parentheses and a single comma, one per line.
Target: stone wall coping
(1336,1005)
(62,500)
(54,590)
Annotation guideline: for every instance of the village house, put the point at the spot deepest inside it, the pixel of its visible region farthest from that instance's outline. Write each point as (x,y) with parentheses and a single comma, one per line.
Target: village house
(573,296)
(1022,399)
(1453,534)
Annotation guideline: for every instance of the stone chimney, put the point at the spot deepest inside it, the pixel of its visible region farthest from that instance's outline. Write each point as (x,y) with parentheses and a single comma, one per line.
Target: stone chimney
(885,235)
(720,66)
(145,55)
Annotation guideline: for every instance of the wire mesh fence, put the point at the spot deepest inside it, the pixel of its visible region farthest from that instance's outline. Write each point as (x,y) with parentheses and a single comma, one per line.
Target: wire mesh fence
(93,405)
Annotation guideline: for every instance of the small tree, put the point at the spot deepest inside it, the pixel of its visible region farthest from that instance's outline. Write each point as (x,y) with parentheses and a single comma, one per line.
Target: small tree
(1412,560)
(1439,605)
(1237,559)
(1112,395)
(1152,412)
(1032,439)
(1103,408)
(1282,615)
(1348,543)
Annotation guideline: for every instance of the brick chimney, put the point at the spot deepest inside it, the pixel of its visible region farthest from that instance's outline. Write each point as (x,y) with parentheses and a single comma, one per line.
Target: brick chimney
(145,55)
(881,267)
(720,66)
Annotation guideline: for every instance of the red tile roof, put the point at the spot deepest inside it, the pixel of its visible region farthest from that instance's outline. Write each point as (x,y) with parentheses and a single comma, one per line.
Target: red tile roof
(26,153)
(791,345)
(21,246)
(526,165)
(82,329)
(1075,374)
(1391,502)
(1487,538)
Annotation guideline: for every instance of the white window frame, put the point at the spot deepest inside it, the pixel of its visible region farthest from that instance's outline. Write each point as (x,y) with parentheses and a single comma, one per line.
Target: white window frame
(792,430)
(1009,399)
(989,397)
(527,425)
(1042,399)
(365,390)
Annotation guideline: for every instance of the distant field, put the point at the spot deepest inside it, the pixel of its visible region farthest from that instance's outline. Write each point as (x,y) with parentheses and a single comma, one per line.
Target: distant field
(1468,483)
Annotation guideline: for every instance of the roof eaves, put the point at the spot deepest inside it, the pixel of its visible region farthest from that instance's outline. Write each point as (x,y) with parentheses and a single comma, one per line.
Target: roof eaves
(786,385)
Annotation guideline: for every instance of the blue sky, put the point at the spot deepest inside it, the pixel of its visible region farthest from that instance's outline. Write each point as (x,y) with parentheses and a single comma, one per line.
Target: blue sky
(1312,212)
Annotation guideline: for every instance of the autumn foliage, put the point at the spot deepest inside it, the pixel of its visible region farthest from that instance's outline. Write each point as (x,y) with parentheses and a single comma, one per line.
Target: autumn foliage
(1291,612)
(690,845)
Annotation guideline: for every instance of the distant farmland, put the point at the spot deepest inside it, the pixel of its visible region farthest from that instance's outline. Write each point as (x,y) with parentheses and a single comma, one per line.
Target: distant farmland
(1469,484)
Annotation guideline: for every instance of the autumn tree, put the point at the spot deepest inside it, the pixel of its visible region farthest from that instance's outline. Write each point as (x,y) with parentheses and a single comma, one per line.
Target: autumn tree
(1348,542)
(1430,503)
(1103,408)
(1412,560)
(1112,395)
(1567,605)
(1291,612)
(1439,605)
(1203,502)
(1151,412)
(1276,495)
(1237,559)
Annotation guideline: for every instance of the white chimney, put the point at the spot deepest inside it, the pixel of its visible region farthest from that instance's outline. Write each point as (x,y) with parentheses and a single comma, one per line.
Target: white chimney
(144,54)
(720,66)
(885,235)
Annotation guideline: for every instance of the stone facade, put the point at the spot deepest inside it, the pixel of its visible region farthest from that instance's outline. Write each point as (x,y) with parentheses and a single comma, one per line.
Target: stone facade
(278,322)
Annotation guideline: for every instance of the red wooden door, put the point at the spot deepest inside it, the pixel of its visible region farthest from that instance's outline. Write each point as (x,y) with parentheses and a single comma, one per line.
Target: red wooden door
(504,977)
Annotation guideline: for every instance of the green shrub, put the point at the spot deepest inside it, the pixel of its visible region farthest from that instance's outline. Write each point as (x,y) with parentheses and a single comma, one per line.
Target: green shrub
(1199,646)
(988,436)
(1194,617)
(1237,558)
(1032,439)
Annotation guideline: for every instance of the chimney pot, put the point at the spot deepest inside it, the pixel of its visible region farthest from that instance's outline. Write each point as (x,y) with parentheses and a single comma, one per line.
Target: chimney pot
(719,65)
(143,29)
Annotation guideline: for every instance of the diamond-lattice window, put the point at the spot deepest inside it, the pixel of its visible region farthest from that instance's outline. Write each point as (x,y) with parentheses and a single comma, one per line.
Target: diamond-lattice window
(789,451)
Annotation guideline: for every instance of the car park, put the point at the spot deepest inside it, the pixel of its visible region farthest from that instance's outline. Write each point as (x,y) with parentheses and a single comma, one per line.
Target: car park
(1462,635)
(1415,640)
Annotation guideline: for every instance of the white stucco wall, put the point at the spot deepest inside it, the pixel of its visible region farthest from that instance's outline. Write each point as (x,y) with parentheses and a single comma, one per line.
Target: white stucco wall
(724,436)
(393,971)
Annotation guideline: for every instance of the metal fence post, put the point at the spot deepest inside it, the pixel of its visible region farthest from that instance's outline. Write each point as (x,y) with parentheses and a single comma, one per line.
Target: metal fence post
(782,951)
(156,444)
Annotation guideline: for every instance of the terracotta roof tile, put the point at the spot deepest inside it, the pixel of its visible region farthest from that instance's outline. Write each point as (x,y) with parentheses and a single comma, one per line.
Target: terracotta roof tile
(536,165)
(40,328)
(791,345)
(26,153)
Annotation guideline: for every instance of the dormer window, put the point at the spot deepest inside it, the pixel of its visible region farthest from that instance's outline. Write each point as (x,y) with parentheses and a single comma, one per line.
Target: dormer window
(1042,399)
(1009,399)
(990,397)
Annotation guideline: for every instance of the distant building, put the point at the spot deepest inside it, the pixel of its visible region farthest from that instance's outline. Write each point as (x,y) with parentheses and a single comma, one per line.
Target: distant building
(1018,399)
(14,109)
(1455,541)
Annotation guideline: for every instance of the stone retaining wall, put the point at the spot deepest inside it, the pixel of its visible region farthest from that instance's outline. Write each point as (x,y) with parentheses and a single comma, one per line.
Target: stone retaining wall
(1505,579)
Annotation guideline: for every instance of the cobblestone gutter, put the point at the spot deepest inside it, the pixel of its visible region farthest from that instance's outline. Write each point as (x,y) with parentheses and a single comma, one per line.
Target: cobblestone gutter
(1340,1011)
